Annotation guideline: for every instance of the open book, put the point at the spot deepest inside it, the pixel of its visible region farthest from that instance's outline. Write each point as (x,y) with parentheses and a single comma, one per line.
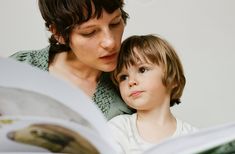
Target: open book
(39,113)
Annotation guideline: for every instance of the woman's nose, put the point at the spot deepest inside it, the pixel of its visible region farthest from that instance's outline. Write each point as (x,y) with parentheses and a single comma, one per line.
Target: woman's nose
(108,41)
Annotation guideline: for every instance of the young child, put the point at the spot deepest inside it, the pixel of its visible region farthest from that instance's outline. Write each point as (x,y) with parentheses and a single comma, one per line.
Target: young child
(150,78)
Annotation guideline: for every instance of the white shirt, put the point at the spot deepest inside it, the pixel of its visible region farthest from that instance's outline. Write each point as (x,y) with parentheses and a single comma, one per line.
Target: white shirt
(126,134)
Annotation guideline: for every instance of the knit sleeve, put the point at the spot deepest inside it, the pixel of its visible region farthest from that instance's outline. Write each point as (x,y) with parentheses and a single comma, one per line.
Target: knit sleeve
(36,58)
(108,100)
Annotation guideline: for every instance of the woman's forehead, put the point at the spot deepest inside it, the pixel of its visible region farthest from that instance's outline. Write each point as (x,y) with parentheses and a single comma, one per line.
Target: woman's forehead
(105,17)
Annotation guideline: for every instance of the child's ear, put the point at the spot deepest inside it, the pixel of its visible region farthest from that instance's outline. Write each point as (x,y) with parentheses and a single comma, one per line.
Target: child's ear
(174,85)
(56,35)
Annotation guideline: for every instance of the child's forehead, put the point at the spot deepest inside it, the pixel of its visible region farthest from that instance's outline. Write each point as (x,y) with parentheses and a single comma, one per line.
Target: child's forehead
(144,55)
(136,63)
(138,59)
(141,54)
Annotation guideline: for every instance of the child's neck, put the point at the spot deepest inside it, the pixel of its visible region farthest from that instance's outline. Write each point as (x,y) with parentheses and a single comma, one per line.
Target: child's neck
(154,126)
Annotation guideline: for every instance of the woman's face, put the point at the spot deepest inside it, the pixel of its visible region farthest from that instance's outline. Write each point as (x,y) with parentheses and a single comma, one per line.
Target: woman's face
(96,43)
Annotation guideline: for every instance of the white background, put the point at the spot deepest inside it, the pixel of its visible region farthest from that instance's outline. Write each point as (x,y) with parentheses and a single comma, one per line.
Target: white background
(202,32)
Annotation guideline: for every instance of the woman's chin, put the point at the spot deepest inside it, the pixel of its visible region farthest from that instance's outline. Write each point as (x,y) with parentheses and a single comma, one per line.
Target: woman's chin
(109,68)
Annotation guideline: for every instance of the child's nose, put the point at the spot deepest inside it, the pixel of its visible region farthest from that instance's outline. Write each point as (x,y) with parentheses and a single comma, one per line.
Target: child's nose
(132,82)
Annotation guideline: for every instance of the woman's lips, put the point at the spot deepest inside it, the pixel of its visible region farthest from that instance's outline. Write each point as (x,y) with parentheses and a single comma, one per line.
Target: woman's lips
(109,57)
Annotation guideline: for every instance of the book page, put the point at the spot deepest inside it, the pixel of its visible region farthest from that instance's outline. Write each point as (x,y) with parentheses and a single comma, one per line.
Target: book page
(30,92)
(37,134)
(197,142)
(15,101)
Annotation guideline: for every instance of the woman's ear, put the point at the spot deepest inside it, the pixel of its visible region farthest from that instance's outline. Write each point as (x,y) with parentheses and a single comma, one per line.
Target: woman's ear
(56,35)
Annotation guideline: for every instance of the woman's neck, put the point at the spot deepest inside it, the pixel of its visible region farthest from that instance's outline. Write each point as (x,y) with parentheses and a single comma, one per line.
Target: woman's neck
(67,67)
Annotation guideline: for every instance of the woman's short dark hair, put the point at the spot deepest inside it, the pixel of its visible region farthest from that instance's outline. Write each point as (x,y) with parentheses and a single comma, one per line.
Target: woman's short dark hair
(64,15)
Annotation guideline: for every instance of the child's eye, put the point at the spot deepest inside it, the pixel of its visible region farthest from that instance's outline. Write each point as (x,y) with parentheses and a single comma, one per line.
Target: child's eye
(122,78)
(142,69)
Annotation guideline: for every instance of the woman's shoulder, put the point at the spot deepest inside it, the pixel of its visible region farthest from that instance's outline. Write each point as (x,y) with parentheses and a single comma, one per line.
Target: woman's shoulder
(108,99)
(38,58)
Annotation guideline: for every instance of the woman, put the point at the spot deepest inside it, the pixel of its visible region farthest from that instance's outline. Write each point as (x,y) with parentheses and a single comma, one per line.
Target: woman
(84,44)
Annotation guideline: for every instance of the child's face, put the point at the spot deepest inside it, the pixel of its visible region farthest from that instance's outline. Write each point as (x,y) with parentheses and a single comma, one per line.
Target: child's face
(141,86)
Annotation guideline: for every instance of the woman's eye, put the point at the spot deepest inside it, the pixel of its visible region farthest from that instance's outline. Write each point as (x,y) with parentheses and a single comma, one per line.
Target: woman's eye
(115,24)
(122,78)
(88,34)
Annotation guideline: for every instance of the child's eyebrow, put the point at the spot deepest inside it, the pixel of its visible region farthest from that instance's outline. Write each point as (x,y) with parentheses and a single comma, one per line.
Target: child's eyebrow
(141,62)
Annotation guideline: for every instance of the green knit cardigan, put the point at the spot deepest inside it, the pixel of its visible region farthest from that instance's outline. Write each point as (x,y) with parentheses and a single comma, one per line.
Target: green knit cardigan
(106,96)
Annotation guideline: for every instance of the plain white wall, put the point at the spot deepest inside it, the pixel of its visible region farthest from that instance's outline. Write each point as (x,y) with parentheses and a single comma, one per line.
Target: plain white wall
(202,31)
(21,26)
